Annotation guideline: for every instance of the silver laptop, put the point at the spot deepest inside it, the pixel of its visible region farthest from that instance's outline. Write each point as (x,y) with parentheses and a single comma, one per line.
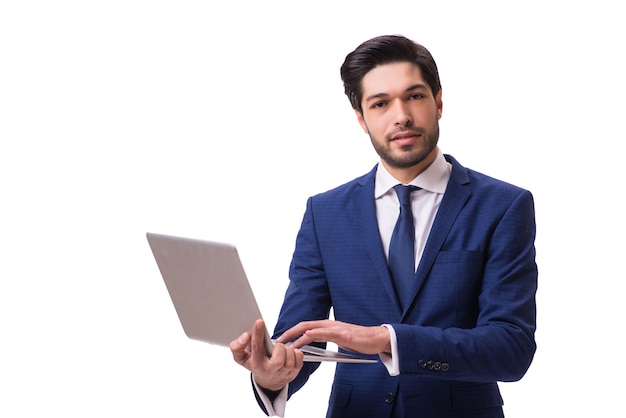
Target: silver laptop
(212,296)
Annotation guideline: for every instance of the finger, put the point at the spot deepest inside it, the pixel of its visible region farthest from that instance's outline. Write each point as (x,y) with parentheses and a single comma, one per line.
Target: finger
(293,332)
(299,359)
(335,333)
(259,353)
(299,329)
(290,358)
(287,359)
(321,334)
(302,341)
(279,354)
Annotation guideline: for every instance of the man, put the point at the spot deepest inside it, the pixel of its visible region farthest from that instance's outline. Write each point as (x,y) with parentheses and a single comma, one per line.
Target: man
(461,319)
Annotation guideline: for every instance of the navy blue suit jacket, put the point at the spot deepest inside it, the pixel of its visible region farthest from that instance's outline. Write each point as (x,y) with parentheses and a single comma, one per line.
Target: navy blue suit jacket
(471,322)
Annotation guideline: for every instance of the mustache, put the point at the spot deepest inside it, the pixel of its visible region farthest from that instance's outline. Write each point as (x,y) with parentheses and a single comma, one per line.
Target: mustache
(406,130)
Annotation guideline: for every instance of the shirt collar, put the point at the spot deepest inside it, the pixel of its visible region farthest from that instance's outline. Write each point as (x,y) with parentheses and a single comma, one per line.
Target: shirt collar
(434,178)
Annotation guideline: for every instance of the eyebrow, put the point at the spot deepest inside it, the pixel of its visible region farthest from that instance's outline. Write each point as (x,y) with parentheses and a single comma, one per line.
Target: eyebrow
(381,95)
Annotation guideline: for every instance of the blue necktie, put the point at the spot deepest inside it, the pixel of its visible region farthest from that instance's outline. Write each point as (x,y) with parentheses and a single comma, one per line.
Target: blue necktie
(402,245)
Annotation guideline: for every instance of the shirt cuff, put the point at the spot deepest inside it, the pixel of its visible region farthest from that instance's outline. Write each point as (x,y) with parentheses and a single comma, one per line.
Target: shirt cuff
(276,408)
(391,361)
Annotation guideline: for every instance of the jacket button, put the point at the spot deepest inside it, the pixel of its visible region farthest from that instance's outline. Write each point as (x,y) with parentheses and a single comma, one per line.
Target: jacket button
(445,367)
(421,363)
(429,364)
(389,397)
(437,366)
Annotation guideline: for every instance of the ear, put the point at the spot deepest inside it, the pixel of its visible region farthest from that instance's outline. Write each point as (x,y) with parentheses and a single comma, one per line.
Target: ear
(439,104)
(361,120)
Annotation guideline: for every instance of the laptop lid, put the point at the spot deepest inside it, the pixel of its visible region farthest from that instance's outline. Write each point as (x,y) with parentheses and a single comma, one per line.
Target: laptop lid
(208,287)
(211,293)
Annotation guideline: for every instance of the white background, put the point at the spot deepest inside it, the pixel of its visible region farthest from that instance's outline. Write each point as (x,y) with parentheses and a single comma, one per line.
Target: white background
(217,120)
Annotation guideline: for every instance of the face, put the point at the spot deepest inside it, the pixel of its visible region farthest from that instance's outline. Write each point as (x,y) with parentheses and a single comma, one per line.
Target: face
(401,116)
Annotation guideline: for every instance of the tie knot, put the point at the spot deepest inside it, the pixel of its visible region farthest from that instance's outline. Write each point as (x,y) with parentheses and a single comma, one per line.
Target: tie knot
(404,193)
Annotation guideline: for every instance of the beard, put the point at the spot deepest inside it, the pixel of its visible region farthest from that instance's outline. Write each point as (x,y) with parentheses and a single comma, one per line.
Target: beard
(411,155)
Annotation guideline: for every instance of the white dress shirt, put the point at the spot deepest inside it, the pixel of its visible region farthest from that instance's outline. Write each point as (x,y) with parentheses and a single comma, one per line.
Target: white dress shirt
(424,204)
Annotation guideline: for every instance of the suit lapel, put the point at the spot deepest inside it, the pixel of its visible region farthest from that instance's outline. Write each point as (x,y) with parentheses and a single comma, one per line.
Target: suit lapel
(457,193)
(366,210)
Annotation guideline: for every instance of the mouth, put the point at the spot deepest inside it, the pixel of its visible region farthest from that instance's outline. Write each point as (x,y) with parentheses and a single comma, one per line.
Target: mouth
(405,137)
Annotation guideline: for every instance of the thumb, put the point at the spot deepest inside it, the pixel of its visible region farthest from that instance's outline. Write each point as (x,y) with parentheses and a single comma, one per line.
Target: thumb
(239,348)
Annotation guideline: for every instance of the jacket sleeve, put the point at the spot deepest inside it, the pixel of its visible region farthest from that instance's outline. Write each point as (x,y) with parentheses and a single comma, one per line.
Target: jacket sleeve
(307,297)
(500,345)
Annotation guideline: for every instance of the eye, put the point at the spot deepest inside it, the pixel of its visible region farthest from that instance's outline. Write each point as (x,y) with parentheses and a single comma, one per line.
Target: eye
(416,96)
(378,105)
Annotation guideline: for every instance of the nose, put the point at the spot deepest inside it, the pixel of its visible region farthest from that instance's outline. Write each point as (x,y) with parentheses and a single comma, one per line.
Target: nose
(402,114)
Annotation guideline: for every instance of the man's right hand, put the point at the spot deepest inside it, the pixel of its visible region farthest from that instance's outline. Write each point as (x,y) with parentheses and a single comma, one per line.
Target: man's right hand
(271,373)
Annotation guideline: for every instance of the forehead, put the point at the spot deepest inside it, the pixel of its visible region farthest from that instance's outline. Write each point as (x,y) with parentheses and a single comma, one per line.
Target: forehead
(391,78)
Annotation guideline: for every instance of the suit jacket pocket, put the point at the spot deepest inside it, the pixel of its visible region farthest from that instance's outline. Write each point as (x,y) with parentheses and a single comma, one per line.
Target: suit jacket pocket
(460,257)
(340,394)
(449,294)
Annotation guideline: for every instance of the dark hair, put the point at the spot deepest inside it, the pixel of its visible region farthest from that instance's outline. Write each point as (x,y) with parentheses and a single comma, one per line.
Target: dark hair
(385,50)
